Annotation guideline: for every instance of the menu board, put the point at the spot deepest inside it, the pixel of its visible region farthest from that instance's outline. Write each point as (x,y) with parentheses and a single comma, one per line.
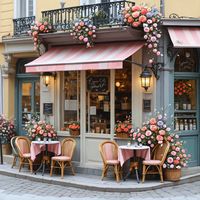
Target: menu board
(48,108)
(97,83)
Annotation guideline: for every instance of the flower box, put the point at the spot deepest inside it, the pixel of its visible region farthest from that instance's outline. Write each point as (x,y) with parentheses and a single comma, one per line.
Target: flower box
(74,132)
(122,135)
(172,174)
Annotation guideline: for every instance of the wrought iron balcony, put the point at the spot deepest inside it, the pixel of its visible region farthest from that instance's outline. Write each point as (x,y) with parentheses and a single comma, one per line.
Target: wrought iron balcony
(22,25)
(102,15)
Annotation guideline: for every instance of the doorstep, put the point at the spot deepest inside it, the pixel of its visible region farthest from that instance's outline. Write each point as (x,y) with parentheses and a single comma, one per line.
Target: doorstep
(94,183)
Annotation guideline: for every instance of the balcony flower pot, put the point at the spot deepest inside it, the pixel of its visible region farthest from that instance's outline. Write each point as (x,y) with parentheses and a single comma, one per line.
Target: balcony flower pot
(122,135)
(172,174)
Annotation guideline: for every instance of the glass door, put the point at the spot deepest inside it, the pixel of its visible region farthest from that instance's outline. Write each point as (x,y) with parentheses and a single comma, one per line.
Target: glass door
(28,102)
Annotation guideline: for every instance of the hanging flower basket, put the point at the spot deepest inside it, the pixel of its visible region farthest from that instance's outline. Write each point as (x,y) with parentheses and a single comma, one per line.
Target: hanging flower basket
(122,135)
(172,174)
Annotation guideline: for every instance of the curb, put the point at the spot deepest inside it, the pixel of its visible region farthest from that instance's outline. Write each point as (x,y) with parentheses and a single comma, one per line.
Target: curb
(184,180)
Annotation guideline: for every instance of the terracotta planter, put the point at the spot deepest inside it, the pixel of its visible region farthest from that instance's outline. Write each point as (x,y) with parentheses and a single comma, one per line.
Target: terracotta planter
(6,149)
(172,174)
(74,132)
(122,135)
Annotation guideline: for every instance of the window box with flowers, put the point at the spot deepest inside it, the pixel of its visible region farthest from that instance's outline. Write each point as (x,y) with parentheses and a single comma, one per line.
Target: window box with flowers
(7,131)
(74,128)
(122,129)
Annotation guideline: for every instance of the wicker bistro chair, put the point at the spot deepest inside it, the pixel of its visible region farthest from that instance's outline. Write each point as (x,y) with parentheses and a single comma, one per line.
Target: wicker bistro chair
(159,156)
(14,150)
(23,145)
(68,146)
(109,153)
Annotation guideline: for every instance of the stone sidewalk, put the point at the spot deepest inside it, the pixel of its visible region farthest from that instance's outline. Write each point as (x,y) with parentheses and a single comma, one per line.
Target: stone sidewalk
(91,182)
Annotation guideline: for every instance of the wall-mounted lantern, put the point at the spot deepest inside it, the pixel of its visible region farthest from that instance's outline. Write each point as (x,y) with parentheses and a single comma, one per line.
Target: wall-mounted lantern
(46,76)
(145,78)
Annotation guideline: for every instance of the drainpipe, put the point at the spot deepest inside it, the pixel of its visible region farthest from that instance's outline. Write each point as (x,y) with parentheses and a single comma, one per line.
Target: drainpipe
(162,7)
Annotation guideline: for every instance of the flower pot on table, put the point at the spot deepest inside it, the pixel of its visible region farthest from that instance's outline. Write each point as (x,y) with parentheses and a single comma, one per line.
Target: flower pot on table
(122,135)
(172,174)
(74,132)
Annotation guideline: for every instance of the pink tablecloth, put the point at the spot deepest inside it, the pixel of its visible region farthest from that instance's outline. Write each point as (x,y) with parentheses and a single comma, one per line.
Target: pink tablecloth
(39,146)
(126,152)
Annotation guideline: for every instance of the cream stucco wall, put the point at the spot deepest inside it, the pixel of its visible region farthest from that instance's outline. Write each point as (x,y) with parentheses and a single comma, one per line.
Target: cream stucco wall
(6,16)
(51,5)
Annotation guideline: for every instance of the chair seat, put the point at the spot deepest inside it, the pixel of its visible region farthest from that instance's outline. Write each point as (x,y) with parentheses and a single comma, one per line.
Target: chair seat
(26,155)
(61,158)
(151,162)
(112,162)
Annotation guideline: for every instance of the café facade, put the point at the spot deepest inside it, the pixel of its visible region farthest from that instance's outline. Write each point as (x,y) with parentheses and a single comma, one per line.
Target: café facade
(100,85)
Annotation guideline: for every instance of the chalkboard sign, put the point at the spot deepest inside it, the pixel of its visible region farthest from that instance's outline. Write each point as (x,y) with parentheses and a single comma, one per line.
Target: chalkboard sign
(47,108)
(97,83)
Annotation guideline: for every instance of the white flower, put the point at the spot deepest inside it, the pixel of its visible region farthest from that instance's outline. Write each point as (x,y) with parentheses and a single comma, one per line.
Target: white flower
(171,166)
(164,165)
(168,129)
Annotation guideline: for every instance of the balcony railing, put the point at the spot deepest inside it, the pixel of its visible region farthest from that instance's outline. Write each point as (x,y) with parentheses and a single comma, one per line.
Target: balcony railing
(102,15)
(22,25)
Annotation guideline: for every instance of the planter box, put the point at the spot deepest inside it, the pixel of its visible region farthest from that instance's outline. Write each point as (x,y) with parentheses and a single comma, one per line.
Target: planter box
(172,174)
(122,135)
(6,149)
(74,132)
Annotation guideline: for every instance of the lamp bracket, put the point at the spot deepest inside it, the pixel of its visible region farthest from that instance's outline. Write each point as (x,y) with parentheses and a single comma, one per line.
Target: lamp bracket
(155,67)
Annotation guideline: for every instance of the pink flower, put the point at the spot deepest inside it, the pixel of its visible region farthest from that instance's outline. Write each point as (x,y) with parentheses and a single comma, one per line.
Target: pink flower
(162,132)
(152,121)
(144,128)
(139,140)
(135,14)
(183,150)
(153,38)
(80,37)
(85,39)
(146,29)
(135,24)
(149,142)
(142,19)
(81,23)
(152,145)
(49,135)
(170,160)
(159,138)
(173,153)
(148,133)
(142,136)
(135,8)
(42,28)
(177,149)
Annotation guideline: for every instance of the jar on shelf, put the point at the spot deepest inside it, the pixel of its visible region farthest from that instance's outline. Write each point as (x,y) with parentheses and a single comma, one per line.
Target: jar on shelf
(194,125)
(190,124)
(185,125)
(176,125)
(181,125)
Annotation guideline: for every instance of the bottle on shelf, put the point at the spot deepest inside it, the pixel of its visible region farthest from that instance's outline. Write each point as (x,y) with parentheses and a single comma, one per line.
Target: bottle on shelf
(181,125)
(186,125)
(190,124)
(194,126)
(176,124)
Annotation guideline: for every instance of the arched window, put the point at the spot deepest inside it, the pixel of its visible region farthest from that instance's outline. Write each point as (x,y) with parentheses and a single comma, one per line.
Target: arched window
(186,60)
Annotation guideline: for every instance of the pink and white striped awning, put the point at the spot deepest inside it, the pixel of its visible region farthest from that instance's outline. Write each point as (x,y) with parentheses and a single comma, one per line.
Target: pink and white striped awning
(185,37)
(77,57)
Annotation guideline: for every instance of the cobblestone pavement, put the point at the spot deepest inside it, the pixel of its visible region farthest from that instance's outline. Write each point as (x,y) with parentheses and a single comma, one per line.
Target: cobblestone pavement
(22,189)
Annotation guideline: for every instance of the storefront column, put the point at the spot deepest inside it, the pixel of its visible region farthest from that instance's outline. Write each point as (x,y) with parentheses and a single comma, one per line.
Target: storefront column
(8,74)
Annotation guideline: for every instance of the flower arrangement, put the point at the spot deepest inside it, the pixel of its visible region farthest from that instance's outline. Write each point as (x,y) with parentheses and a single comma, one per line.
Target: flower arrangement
(74,125)
(148,18)
(152,132)
(39,27)
(84,31)
(182,88)
(40,129)
(176,157)
(7,129)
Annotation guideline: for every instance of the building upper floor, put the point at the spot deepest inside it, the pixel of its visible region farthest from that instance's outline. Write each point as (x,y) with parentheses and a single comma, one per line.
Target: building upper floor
(16,16)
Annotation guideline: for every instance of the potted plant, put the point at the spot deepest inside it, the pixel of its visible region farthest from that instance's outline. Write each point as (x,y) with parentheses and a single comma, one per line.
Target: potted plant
(40,130)
(74,128)
(123,128)
(176,159)
(7,131)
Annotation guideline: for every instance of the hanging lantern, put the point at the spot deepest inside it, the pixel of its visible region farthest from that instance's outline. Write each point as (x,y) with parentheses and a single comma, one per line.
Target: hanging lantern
(145,79)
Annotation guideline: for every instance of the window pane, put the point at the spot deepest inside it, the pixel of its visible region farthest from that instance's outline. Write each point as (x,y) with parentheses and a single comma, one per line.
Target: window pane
(71,97)
(123,89)
(185,103)
(30,8)
(22,11)
(98,101)
(186,60)
(37,97)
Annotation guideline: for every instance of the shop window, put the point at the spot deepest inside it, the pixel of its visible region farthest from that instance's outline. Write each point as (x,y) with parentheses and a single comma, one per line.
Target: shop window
(24,8)
(123,89)
(185,103)
(71,101)
(186,60)
(98,101)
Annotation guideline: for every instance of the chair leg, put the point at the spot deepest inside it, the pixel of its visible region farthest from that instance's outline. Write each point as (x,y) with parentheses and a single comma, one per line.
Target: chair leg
(161,174)
(116,172)
(143,173)
(52,166)
(14,161)
(21,162)
(62,169)
(103,172)
(70,164)
(31,165)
